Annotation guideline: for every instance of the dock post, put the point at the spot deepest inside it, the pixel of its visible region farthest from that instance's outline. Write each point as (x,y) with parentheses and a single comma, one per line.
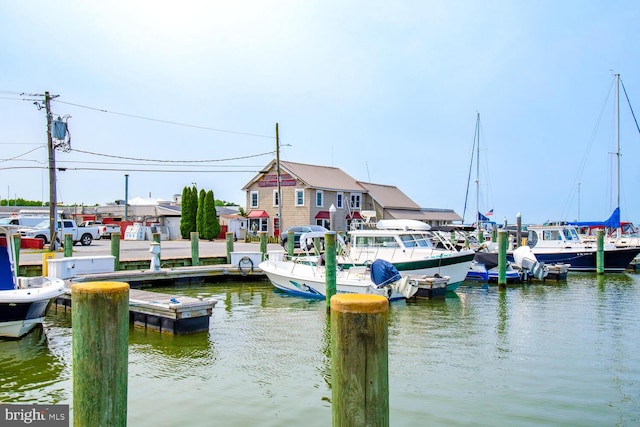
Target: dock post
(100,337)
(518,231)
(291,243)
(263,245)
(229,239)
(359,360)
(115,250)
(330,266)
(195,255)
(503,239)
(46,256)
(68,245)
(16,251)
(600,251)
(480,235)
(155,237)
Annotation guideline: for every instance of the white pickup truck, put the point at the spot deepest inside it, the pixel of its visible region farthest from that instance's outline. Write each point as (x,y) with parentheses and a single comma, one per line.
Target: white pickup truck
(84,235)
(104,230)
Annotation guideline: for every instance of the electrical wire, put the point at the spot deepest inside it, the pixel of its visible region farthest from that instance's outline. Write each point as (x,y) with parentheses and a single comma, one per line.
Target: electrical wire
(174,161)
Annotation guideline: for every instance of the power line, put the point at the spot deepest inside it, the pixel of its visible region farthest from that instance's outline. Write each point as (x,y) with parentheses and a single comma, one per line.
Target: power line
(174,161)
(102,110)
(63,169)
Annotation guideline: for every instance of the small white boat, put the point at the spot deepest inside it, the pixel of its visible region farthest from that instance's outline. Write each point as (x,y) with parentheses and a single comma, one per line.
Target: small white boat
(306,276)
(23,300)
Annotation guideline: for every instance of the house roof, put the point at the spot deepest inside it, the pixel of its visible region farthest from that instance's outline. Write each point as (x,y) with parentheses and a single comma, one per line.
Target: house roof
(389,196)
(320,177)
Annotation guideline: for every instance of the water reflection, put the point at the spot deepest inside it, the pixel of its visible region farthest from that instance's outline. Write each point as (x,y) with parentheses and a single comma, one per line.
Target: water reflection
(28,367)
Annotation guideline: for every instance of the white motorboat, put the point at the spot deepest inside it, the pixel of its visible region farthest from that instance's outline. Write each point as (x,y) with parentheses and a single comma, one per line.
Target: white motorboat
(409,246)
(307,276)
(23,300)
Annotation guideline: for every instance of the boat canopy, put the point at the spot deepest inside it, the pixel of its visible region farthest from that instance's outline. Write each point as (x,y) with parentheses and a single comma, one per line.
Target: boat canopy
(612,222)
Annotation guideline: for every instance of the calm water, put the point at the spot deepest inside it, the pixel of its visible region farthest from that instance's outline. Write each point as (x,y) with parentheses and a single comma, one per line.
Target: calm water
(544,354)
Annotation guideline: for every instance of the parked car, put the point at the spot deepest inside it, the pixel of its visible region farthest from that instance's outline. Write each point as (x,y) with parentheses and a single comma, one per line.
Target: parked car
(84,235)
(298,230)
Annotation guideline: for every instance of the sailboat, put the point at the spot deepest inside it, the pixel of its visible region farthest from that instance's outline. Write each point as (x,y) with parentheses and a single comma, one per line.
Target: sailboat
(561,243)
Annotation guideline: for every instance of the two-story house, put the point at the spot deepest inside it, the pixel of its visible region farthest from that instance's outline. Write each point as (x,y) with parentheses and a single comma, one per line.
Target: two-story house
(309,192)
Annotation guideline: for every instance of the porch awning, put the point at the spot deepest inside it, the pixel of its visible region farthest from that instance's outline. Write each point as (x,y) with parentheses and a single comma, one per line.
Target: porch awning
(258,214)
(322,215)
(354,215)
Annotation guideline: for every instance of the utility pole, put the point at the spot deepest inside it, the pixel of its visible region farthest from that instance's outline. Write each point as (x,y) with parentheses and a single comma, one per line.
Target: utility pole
(53,215)
(280,227)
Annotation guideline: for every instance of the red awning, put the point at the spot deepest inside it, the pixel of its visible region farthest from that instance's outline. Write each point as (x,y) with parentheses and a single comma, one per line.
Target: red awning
(354,215)
(258,214)
(322,215)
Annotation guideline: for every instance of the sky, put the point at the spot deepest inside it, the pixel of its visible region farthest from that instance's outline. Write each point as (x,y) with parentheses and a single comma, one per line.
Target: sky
(179,94)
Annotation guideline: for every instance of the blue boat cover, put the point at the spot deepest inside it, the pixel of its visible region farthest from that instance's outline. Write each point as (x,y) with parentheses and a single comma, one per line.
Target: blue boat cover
(383,272)
(6,275)
(612,222)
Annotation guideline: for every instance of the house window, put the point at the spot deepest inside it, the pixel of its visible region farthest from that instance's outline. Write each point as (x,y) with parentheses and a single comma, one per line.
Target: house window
(276,201)
(339,200)
(355,200)
(253,199)
(319,197)
(299,197)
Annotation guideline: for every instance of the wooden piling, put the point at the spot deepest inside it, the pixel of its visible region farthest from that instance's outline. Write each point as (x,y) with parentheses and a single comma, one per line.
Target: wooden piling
(229,239)
(503,239)
(291,243)
(115,250)
(100,335)
(195,254)
(68,245)
(600,251)
(263,245)
(16,250)
(330,265)
(359,360)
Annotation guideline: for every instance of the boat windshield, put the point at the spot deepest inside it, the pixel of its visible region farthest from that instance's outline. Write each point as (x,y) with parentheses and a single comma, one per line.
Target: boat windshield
(571,234)
(416,240)
(376,241)
(551,235)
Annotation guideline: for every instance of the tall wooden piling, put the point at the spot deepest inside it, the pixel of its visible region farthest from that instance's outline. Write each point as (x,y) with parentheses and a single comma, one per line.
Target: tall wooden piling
(291,243)
(330,265)
(68,245)
(16,250)
(599,251)
(518,231)
(100,335)
(359,360)
(115,250)
(503,240)
(229,239)
(263,245)
(195,254)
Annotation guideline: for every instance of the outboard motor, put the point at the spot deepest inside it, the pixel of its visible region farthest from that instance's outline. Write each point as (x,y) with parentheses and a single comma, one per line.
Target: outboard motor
(384,273)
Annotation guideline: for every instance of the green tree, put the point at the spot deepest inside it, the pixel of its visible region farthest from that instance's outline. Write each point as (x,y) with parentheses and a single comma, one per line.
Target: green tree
(211,223)
(200,214)
(184,218)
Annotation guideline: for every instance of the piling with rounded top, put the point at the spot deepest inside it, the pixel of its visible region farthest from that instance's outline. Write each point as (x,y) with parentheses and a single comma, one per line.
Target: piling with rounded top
(115,250)
(195,254)
(100,335)
(359,360)
(503,240)
(600,251)
(229,239)
(330,265)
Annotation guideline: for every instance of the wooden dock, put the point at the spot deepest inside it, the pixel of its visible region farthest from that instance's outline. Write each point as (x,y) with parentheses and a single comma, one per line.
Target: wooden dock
(170,314)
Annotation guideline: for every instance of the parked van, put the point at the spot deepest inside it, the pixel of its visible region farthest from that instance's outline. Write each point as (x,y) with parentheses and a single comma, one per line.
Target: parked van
(23,221)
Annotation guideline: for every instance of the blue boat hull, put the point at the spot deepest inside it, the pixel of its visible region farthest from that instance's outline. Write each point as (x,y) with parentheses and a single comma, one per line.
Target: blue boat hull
(614,260)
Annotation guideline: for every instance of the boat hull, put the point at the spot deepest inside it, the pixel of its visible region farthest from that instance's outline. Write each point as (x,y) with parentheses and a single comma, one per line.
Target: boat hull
(615,260)
(454,265)
(309,281)
(22,309)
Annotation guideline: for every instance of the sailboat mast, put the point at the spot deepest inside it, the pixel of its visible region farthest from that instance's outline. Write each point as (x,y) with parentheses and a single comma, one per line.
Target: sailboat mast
(618,140)
(478,169)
